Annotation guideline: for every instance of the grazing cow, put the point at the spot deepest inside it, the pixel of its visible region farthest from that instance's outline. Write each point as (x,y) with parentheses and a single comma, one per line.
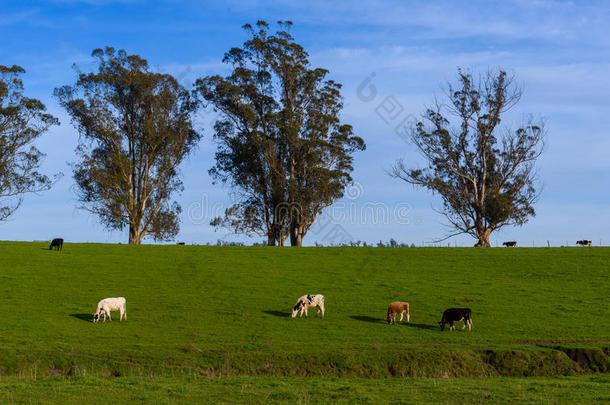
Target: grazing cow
(396,308)
(57,243)
(308,301)
(105,306)
(455,315)
(181,243)
(584,242)
(510,244)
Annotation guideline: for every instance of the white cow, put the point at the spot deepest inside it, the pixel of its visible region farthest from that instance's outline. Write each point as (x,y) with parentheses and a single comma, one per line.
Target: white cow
(110,304)
(307,301)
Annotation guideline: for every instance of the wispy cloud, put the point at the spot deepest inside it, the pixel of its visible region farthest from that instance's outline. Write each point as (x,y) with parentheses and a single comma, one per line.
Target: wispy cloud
(11,18)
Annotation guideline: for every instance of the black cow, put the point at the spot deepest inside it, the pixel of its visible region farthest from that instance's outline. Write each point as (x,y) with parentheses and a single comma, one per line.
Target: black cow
(57,243)
(584,242)
(510,244)
(455,315)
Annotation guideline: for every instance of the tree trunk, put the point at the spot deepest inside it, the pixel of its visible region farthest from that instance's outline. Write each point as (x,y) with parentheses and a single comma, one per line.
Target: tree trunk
(294,233)
(135,236)
(270,239)
(299,241)
(483,236)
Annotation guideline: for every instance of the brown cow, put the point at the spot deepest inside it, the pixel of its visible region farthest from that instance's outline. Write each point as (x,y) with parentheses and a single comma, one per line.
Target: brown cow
(396,308)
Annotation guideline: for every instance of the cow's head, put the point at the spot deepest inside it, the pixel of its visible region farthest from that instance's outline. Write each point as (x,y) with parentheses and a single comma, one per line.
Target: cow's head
(96,317)
(442,325)
(296,308)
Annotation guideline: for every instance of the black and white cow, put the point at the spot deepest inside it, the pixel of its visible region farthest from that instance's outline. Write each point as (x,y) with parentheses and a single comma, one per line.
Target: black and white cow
(57,243)
(308,301)
(584,242)
(510,244)
(456,315)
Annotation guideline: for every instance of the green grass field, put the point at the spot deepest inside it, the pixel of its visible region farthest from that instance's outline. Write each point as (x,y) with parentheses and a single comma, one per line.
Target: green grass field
(314,390)
(207,312)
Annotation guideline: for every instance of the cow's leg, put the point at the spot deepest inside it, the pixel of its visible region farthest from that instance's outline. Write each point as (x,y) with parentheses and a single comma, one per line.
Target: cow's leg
(408,317)
(320,310)
(401,315)
(121,313)
(451,326)
(306,314)
(469,325)
(323,310)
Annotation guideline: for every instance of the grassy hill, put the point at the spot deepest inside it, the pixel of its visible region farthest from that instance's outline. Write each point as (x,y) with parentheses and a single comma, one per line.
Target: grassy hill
(195,310)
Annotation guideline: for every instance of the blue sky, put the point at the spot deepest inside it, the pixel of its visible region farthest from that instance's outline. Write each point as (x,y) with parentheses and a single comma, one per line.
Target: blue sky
(559,50)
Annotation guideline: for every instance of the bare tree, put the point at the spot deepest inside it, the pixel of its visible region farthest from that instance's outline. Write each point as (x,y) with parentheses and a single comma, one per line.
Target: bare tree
(484,172)
(22,121)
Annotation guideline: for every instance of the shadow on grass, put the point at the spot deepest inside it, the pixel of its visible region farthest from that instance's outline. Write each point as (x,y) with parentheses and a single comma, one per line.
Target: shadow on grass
(83,317)
(423,326)
(278,313)
(380,320)
(368,319)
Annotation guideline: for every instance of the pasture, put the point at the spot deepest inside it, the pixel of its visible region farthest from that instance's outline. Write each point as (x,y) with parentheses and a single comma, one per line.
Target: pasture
(197,312)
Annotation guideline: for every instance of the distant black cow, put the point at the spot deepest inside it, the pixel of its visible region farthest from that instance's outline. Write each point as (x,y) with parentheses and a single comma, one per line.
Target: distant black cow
(510,244)
(455,315)
(181,243)
(584,242)
(57,243)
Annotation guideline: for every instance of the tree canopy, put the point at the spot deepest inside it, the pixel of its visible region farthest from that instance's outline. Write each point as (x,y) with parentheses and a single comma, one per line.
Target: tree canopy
(281,143)
(136,129)
(22,121)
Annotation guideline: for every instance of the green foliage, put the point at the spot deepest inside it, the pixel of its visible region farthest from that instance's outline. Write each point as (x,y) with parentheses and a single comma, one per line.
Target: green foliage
(22,121)
(281,144)
(136,128)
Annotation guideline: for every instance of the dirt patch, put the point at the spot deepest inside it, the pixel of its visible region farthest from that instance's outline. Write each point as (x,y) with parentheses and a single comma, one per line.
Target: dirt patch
(593,359)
